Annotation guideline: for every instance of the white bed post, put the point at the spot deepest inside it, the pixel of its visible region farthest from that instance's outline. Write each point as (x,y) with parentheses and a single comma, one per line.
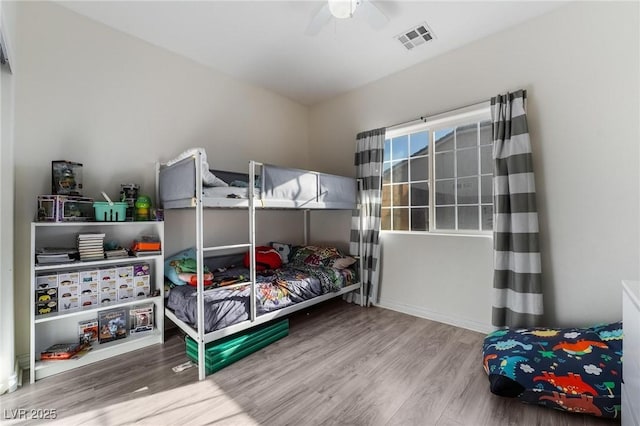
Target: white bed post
(307,222)
(252,238)
(202,372)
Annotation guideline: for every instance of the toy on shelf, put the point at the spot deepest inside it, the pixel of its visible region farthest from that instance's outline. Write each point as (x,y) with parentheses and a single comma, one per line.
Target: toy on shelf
(143,207)
(66,178)
(129,194)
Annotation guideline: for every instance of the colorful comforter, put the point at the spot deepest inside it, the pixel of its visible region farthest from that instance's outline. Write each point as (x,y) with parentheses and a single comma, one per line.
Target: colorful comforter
(572,369)
(274,290)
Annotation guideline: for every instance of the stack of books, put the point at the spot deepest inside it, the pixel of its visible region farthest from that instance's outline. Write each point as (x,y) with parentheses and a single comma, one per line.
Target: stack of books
(48,255)
(116,253)
(147,245)
(91,246)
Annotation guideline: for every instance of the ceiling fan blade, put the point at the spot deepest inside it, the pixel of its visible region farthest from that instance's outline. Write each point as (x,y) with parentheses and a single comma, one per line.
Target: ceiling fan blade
(319,20)
(373,15)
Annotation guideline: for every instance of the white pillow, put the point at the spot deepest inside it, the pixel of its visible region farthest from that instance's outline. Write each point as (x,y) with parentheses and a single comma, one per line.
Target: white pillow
(208,178)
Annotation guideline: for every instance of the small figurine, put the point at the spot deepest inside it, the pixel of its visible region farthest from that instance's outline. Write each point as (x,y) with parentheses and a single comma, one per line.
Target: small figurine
(143,206)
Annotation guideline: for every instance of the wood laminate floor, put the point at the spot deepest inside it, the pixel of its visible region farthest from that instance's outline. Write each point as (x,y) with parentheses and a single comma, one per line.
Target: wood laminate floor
(340,364)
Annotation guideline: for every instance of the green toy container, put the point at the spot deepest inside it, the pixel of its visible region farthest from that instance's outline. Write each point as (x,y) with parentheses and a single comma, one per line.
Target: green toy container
(106,213)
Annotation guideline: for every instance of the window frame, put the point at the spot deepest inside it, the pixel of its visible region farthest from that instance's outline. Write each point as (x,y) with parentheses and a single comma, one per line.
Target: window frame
(476,113)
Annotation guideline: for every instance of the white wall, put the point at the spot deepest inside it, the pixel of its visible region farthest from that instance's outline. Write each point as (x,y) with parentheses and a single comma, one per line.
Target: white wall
(580,66)
(8,379)
(116,104)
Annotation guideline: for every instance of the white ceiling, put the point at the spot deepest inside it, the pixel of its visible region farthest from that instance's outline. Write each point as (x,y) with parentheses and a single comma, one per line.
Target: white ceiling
(264,42)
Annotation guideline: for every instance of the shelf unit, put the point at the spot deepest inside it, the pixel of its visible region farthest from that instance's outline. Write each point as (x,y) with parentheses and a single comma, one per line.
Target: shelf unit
(62,326)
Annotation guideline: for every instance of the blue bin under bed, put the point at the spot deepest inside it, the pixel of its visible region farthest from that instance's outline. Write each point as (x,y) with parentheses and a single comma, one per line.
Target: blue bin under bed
(224,352)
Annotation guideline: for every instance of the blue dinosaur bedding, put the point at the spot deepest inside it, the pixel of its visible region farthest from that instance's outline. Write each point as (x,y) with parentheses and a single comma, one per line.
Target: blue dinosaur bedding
(572,369)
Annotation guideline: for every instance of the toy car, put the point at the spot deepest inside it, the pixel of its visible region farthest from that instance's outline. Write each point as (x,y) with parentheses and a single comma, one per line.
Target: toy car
(44,298)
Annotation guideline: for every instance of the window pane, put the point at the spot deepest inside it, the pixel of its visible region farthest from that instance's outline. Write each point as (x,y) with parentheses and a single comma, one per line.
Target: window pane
(387,150)
(468,190)
(467,136)
(419,219)
(487,218)
(400,147)
(444,165)
(467,162)
(443,140)
(468,218)
(485,133)
(400,172)
(400,219)
(486,189)
(420,194)
(420,168)
(386,172)
(445,217)
(386,195)
(385,220)
(419,143)
(486,159)
(400,194)
(445,192)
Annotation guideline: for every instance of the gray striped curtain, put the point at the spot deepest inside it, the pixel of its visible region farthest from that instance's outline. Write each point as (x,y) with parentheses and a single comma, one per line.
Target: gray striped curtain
(517,287)
(368,161)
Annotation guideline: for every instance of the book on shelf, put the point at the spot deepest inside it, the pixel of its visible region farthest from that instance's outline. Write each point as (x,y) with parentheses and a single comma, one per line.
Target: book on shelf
(62,351)
(116,253)
(141,318)
(142,253)
(93,235)
(146,243)
(88,331)
(112,325)
(47,255)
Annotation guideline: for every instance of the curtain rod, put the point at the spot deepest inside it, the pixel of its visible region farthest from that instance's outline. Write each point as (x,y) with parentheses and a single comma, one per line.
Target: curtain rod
(424,118)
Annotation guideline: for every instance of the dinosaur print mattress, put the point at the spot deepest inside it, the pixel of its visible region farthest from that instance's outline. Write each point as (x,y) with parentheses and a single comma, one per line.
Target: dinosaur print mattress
(572,369)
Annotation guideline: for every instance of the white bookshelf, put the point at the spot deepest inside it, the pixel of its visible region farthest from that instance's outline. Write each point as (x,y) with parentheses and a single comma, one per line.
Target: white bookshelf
(62,326)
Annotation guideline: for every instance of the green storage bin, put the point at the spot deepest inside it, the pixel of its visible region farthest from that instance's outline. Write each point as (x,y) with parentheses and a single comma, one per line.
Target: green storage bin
(233,348)
(106,213)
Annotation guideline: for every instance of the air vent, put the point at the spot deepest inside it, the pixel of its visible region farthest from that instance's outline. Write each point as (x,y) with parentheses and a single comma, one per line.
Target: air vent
(416,36)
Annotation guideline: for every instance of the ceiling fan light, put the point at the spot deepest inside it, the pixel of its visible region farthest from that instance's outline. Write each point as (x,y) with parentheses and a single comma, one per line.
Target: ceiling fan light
(342,9)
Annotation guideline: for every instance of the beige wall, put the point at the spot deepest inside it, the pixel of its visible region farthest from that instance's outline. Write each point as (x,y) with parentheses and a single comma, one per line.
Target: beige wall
(580,66)
(116,104)
(90,94)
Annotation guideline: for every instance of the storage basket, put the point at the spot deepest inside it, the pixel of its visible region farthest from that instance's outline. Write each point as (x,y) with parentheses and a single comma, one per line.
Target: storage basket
(106,213)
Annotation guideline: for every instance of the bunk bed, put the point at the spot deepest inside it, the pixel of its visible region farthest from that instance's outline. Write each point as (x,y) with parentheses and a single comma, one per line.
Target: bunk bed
(215,313)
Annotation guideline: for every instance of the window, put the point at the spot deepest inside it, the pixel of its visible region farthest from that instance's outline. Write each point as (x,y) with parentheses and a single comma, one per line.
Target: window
(437,175)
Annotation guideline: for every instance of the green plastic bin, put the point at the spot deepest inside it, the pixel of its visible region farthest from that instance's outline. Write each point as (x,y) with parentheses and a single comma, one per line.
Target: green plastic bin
(233,348)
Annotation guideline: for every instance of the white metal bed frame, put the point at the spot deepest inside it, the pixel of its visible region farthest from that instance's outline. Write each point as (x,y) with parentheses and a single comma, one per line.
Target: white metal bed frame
(199,335)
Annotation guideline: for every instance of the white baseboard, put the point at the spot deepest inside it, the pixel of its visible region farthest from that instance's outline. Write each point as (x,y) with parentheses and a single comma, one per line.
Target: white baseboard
(418,311)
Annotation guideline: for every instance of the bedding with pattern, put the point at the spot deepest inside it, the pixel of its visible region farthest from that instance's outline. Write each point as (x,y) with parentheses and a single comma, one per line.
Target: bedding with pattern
(572,369)
(275,289)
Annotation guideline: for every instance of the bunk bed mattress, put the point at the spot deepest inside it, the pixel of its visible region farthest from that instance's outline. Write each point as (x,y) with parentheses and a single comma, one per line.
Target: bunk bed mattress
(281,187)
(227,192)
(277,290)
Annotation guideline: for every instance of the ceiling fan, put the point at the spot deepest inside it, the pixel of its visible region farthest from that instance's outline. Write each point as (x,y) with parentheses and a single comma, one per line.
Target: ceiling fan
(344,9)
